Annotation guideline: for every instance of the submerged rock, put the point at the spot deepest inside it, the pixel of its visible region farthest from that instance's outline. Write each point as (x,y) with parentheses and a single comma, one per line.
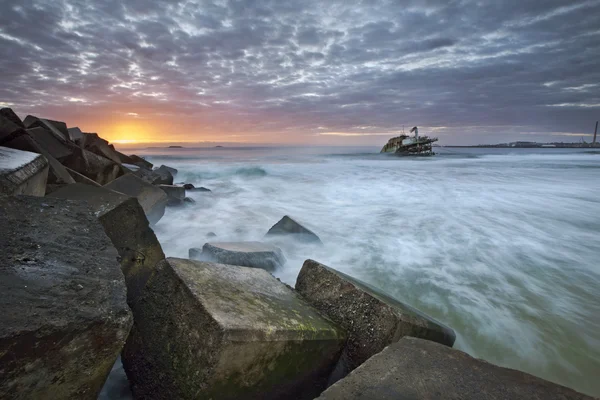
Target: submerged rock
(155,177)
(10,115)
(176,194)
(245,254)
(125,223)
(204,330)
(63,311)
(372,318)
(188,186)
(189,200)
(152,199)
(287,226)
(22,172)
(141,162)
(420,369)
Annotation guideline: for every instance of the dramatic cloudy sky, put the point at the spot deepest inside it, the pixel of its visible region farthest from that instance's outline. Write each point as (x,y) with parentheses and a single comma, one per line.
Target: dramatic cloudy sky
(305,71)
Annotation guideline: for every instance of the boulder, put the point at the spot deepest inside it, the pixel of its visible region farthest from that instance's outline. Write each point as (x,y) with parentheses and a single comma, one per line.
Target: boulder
(57,173)
(211,235)
(141,162)
(95,167)
(22,172)
(372,318)
(9,129)
(420,369)
(10,115)
(94,143)
(205,330)
(170,170)
(75,134)
(50,143)
(288,227)
(152,198)
(126,226)
(245,254)
(130,167)
(77,177)
(176,194)
(63,305)
(189,186)
(155,177)
(57,128)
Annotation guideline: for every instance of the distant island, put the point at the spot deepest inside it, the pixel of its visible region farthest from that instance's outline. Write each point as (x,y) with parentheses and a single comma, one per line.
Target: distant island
(175,147)
(218,147)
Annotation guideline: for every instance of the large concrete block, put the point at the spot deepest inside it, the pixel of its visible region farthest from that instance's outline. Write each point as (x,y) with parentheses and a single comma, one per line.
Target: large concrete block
(126,225)
(210,331)
(49,142)
(245,254)
(97,168)
(140,162)
(75,134)
(419,369)
(372,318)
(57,128)
(155,177)
(288,227)
(175,193)
(77,177)
(9,128)
(9,114)
(22,172)
(63,311)
(152,198)
(94,143)
(57,174)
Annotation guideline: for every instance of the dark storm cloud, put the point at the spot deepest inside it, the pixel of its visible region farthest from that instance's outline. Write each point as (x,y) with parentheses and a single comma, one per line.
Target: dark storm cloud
(307,68)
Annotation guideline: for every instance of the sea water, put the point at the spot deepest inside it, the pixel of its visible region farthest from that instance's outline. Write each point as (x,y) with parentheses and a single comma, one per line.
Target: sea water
(502,245)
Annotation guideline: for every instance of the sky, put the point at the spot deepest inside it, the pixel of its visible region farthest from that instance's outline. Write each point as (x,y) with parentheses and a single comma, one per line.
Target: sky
(305,71)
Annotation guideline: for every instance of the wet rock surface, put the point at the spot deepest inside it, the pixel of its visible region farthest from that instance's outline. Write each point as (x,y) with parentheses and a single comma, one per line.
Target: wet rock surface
(289,227)
(206,330)
(152,199)
(63,305)
(420,369)
(245,254)
(22,172)
(372,318)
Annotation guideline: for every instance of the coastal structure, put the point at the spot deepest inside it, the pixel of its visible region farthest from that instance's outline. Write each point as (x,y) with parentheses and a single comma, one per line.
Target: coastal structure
(405,145)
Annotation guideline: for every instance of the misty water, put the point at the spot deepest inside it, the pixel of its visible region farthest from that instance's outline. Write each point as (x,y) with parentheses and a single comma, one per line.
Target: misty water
(501,245)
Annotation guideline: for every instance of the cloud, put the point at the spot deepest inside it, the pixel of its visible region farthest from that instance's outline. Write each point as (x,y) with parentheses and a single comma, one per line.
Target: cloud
(284,68)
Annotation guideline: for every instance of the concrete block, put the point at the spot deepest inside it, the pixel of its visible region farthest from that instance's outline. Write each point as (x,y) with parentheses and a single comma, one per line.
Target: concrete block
(57,128)
(155,177)
(288,227)
(95,167)
(77,177)
(50,143)
(175,193)
(75,133)
(152,198)
(372,318)
(63,311)
(245,254)
(419,369)
(210,331)
(126,225)
(22,172)
(141,162)
(94,143)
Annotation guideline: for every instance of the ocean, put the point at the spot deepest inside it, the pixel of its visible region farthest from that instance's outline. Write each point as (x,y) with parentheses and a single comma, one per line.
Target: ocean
(502,245)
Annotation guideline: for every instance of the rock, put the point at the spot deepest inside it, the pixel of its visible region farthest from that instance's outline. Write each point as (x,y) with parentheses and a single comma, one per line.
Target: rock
(130,167)
(77,177)
(155,177)
(170,170)
(10,115)
(420,369)
(372,318)
(75,134)
(63,305)
(152,199)
(8,128)
(205,330)
(189,200)
(141,162)
(22,172)
(49,142)
(94,143)
(126,226)
(176,194)
(95,167)
(287,226)
(57,128)
(125,159)
(211,235)
(189,186)
(245,254)
(200,189)
(57,173)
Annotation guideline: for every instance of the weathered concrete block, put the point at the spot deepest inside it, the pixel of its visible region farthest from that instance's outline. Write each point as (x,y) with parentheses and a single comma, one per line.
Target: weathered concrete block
(126,225)
(75,134)
(94,143)
(245,254)
(175,193)
(57,128)
(63,312)
(57,174)
(206,330)
(287,226)
(372,318)
(154,177)
(95,167)
(10,115)
(50,143)
(170,170)
(141,162)
(22,172)
(152,198)
(77,177)
(420,369)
